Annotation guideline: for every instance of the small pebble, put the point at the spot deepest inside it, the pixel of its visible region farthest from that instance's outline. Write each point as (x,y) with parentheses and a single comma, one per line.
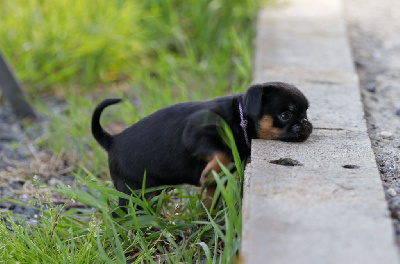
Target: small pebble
(15,184)
(370,87)
(5,192)
(386,135)
(392,192)
(52,181)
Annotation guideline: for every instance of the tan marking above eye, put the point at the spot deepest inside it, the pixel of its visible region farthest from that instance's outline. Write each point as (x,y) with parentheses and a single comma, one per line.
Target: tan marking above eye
(267,129)
(213,165)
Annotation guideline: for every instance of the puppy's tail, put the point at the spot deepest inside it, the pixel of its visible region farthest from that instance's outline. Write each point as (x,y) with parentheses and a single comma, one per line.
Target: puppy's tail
(104,138)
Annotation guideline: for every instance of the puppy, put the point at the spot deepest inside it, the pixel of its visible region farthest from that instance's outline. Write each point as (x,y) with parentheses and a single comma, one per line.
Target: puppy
(175,145)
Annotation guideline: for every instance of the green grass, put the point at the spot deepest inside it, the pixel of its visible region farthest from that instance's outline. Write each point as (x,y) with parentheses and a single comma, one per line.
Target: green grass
(153,54)
(51,43)
(173,226)
(163,45)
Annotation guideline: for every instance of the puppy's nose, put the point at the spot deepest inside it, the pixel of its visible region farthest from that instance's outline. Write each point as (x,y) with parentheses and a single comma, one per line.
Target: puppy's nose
(304,121)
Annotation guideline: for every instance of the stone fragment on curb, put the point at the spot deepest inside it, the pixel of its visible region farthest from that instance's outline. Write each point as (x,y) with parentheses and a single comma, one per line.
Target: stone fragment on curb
(392,192)
(386,135)
(371,87)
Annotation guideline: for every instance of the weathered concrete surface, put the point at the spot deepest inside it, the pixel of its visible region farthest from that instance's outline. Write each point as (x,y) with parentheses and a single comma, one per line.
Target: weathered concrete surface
(303,34)
(319,212)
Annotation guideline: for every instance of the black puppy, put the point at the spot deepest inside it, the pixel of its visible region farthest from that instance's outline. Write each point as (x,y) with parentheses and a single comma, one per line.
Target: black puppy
(174,145)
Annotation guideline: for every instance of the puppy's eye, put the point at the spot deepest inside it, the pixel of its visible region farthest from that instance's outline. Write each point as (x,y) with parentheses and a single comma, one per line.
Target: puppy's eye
(286,116)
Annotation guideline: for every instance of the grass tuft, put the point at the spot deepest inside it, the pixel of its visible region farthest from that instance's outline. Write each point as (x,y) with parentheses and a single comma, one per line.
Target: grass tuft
(173,226)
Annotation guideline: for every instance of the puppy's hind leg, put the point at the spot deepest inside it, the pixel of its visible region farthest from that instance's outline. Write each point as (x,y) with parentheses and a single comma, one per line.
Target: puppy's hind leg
(122,186)
(127,188)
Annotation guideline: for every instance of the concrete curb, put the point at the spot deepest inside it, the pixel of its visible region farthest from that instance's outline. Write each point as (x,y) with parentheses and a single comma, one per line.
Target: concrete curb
(332,209)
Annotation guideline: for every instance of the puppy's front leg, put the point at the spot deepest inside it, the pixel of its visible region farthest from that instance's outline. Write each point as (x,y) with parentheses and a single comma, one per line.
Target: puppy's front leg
(213,165)
(202,139)
(207,177)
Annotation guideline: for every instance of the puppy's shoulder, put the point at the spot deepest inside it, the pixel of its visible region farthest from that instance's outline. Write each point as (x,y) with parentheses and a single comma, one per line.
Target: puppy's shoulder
(218,105)
(222,105)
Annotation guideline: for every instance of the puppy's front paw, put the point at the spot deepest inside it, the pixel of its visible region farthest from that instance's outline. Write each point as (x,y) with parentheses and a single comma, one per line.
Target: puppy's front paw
(207,176)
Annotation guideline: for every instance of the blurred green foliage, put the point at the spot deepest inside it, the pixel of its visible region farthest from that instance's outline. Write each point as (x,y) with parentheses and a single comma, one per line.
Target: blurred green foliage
(51,43)
(89,44)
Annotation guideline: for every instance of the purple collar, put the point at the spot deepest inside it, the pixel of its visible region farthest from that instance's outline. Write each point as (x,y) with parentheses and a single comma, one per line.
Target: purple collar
(243,124)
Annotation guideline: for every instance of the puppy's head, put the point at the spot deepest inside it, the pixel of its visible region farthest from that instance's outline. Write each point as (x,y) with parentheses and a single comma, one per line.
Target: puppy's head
(278,110)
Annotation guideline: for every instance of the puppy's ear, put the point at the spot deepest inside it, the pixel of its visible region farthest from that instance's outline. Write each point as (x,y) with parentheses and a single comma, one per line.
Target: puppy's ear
(252,100)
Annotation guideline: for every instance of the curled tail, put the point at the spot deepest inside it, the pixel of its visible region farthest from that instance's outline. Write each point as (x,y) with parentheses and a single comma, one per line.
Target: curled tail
(104,138)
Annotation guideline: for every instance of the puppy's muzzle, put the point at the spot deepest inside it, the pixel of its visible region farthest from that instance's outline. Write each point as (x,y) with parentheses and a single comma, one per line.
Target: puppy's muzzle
(299,131)
(302,130)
